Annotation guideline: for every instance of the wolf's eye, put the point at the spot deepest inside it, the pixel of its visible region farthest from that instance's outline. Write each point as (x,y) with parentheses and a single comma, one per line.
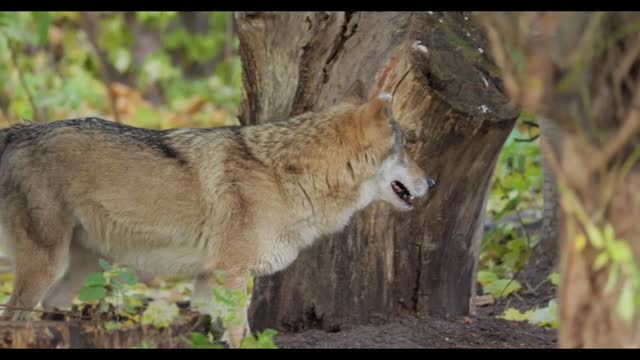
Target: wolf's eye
(411,137)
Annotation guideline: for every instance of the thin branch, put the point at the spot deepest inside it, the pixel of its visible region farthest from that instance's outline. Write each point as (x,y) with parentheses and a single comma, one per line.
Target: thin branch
(624,134)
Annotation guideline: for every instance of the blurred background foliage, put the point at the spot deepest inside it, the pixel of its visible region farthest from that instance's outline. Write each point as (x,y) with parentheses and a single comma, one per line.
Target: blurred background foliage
(149,69)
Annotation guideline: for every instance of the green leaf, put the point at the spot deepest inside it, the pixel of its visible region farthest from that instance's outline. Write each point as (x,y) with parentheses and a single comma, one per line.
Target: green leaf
(601,261)
(520,162)
(612,279)
(42,19)
(509,206)
(554,277)
(502,286)
(104,264)
(129,308)
(265,339)
(95,280)
(626,305)
(486,277)
(609,235)
(92,294)
(595,236)
(620,251)
(126,276)
(200,341)
(111,325)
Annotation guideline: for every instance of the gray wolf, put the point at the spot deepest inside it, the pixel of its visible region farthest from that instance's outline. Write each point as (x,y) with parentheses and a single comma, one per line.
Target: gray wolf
(242,200)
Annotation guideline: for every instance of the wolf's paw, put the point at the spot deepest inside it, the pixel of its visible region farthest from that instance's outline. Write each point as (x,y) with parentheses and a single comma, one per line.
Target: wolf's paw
(15,315)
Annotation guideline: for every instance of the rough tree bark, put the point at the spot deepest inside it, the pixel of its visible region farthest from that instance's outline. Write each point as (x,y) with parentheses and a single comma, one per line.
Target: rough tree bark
(586,68)
(449,103)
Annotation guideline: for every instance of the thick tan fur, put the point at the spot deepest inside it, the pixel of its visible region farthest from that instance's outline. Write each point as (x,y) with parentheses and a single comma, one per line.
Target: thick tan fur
(185,202)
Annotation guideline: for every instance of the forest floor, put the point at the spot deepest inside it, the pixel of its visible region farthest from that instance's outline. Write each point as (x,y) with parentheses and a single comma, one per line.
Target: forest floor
(484,330)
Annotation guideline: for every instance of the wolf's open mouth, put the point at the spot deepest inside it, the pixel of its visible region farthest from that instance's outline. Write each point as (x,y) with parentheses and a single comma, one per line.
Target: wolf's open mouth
(402,192)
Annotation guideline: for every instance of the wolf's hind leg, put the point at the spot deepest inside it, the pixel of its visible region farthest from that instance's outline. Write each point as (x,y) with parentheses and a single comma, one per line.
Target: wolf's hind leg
(81,264)
(37,265)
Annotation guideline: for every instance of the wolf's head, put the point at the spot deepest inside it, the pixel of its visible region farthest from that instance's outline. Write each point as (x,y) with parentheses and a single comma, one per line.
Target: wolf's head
(398,180)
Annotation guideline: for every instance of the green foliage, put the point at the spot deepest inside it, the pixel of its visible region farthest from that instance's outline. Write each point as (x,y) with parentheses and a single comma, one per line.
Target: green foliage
(111,325)
(201,341)
(516,187)
(48,66)
(545,317)
(502,287)
(262,340)
(612,254)
(503,250)
(230,308)
(160,313)
(109,287)
(42,20)
(517,181)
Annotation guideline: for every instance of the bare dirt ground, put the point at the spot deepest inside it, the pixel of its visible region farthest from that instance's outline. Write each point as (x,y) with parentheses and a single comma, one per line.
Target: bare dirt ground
(411,332)
(484,330)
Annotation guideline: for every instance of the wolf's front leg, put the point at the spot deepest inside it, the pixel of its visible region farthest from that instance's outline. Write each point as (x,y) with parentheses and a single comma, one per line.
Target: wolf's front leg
(224,296)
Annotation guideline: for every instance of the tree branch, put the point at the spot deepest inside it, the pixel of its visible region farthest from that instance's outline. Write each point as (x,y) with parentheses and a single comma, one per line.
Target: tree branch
(37,112)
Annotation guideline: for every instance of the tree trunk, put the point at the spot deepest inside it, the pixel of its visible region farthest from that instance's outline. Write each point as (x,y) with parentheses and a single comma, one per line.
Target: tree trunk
(544,258)
(450,104)
(587,72)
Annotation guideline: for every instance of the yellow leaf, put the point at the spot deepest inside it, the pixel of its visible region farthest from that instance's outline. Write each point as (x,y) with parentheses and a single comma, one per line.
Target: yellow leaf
(515,315)
(580,242)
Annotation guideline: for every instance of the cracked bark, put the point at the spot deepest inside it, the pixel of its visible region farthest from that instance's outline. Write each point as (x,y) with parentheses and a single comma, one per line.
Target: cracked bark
(384,262)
